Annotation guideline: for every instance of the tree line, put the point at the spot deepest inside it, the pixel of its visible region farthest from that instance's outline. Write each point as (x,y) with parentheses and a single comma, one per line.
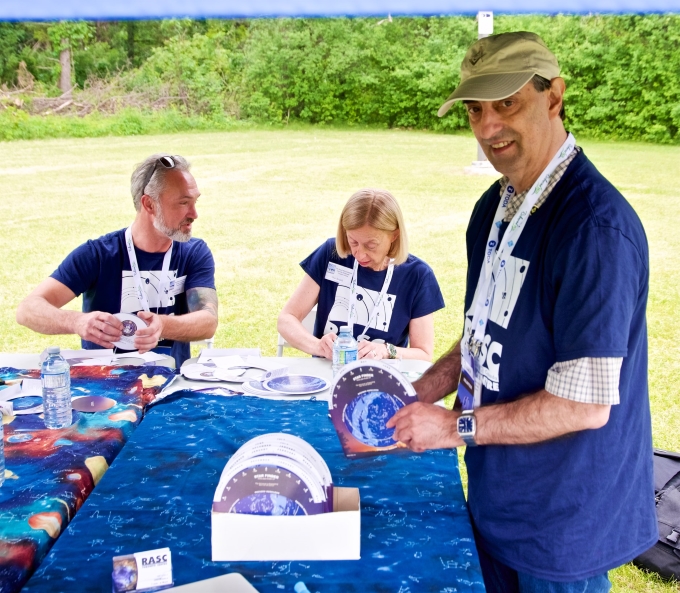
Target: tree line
(622,72)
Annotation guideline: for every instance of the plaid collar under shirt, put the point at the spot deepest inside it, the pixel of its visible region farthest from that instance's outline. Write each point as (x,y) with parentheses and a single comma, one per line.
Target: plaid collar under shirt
(517,199)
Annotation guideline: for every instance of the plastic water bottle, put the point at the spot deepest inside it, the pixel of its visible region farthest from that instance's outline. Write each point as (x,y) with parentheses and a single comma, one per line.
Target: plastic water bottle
(56,389)
(345,349)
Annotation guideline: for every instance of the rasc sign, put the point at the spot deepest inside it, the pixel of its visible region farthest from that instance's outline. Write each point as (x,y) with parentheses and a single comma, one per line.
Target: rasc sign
(158,560)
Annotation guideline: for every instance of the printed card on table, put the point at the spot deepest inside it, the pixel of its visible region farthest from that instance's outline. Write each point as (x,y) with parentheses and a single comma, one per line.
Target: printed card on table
(364,396)
(142,571)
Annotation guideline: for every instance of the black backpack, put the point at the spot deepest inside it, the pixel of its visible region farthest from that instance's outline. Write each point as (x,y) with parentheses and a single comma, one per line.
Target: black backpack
(664,556)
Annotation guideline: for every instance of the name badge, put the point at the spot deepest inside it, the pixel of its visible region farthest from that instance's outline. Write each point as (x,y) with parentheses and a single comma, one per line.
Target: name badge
(177,285)
(466,383)
(339,274)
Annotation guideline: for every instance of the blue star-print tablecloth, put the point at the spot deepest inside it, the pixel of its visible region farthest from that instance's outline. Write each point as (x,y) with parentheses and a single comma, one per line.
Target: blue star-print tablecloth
(416,535)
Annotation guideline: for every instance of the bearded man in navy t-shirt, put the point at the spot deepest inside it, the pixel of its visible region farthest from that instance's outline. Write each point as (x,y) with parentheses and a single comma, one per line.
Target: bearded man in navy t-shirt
(553,399)
(153,269)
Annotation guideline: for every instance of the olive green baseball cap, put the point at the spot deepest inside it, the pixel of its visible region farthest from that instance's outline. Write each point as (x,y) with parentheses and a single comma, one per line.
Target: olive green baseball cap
(497,66)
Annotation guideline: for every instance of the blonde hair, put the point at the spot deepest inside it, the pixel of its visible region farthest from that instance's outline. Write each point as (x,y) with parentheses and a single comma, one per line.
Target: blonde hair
(378,209)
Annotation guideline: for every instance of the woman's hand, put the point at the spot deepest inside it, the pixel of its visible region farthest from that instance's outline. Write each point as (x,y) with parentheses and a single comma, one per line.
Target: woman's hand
(372,351)
(325,346)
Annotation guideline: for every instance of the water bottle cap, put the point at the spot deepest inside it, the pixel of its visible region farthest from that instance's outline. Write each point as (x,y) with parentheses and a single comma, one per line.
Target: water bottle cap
(53,350)
(344,328)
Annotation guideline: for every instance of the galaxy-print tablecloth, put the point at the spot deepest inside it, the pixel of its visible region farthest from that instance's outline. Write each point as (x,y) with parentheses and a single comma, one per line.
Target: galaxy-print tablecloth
(416,535)
(50,473)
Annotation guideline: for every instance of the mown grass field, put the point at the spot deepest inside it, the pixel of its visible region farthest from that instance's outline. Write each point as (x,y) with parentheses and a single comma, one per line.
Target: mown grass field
(271,196)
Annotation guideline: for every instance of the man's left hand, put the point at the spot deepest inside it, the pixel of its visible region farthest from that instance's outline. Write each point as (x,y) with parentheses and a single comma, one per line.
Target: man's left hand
(147,339)
(423,426)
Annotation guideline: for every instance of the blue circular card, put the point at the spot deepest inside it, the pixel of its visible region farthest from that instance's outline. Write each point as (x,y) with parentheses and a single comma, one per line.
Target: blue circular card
(296,384)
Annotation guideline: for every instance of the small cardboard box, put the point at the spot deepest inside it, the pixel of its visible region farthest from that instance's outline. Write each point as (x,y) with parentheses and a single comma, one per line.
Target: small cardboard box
(328,536)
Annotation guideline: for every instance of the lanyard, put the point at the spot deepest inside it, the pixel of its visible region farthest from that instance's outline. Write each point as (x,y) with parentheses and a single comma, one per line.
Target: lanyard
(353,298)
(497,255)
(162,289)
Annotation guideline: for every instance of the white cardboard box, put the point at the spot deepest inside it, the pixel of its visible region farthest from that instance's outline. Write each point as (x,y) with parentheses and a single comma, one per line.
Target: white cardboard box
(328,536)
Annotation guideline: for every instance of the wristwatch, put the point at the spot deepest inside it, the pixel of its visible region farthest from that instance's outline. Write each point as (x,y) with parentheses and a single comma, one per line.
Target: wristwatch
(391,350)
(467,427)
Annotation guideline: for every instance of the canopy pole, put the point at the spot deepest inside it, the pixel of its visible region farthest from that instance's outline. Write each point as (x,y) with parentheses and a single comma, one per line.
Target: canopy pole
(482,166)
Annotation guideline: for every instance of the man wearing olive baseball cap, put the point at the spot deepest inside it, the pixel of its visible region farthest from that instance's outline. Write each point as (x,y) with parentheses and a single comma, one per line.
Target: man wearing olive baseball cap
(551,371)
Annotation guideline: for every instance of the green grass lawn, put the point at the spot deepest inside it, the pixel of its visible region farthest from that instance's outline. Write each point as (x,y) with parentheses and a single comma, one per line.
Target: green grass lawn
(270,197)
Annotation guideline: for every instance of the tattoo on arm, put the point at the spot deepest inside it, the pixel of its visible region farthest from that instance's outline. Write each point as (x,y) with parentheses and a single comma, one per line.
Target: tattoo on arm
(202,299)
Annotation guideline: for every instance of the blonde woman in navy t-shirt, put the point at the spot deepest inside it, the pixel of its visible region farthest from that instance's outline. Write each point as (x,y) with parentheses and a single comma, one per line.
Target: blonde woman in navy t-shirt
(365,275)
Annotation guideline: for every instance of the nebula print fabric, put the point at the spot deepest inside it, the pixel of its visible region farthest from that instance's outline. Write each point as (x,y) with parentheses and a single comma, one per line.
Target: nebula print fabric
(50,473)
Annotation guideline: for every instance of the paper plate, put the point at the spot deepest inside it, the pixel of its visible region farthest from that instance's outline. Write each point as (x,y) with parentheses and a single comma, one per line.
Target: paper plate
(296,384)
(131,325)
(248,373)
(255,388)
(201,372)
(27,404)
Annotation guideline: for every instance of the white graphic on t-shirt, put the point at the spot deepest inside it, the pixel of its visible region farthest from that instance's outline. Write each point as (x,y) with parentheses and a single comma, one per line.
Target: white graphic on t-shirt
(508,286)
(365,302)
(503,300)
(129,303)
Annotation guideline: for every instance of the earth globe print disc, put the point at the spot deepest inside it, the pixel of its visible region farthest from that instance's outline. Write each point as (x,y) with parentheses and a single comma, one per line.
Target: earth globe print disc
(296,384)
(131,325)
(28,404)
(366,415)
(267,503)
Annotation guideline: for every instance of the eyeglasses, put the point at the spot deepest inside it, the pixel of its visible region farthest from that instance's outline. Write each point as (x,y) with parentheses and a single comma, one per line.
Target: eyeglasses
(167,161)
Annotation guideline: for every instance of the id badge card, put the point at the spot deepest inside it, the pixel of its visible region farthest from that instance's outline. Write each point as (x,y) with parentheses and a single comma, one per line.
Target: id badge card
(466,383)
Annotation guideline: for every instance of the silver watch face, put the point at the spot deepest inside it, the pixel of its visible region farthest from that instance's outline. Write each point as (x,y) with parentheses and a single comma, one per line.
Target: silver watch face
(466,425)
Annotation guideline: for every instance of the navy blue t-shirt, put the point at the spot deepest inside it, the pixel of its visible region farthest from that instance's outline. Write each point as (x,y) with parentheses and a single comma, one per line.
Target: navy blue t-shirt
(575,286)
(413,292)
(100,270)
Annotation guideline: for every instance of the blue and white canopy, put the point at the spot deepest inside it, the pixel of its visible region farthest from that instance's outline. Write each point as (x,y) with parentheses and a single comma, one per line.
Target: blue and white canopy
(151,9)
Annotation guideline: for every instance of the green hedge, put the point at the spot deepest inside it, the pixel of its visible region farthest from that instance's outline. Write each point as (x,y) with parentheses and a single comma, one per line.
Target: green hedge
(18,125)
(622,72)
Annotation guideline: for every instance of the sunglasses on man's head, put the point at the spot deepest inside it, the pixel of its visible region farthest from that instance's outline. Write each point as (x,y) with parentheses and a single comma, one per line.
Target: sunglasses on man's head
(167,161)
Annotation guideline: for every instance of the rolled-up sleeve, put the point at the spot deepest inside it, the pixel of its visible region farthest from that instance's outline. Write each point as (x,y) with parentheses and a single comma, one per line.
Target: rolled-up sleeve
(586,380)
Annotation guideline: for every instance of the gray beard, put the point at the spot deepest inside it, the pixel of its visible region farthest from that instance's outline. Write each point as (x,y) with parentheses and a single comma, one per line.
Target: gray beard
(174,234)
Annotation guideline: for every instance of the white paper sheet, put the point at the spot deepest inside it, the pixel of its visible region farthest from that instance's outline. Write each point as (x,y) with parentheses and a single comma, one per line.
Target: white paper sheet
(81,354)
(226,362)
(146,357)
(92,362)
(31,387)
(212,353)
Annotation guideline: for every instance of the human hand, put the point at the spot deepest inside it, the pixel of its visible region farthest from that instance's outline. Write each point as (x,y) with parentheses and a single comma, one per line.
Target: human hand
(423,426)
(325,346)
(147,338)
(372,351)
(101,328)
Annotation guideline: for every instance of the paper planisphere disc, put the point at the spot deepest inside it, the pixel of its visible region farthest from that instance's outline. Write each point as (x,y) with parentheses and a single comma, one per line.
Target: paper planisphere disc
(296,384)
(131,325)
